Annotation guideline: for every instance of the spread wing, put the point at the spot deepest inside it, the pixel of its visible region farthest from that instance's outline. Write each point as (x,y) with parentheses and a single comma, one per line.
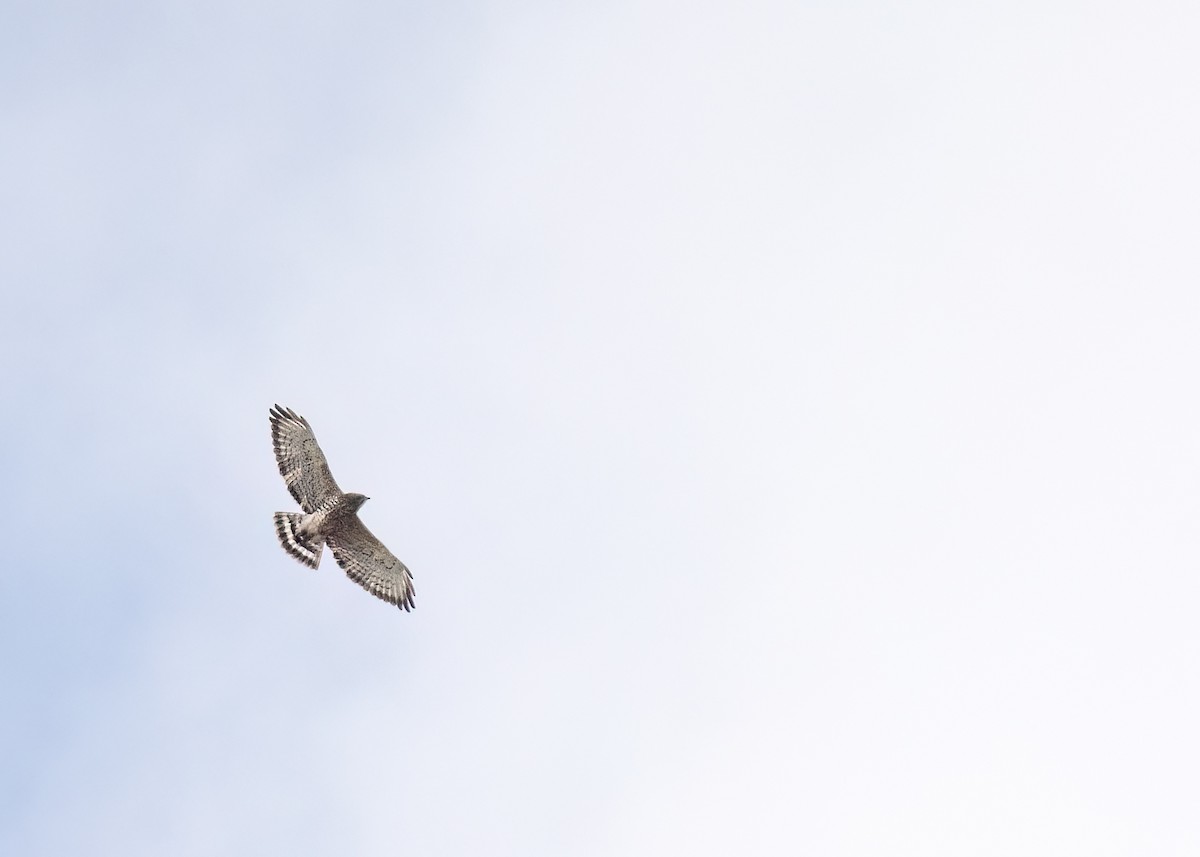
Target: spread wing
(369,564)
(301,462)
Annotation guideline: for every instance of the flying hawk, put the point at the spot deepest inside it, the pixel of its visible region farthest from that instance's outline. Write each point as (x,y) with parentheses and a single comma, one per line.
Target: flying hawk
(330,517)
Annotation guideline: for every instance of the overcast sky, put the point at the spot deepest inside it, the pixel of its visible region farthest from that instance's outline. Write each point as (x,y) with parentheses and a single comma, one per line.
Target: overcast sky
(788,412)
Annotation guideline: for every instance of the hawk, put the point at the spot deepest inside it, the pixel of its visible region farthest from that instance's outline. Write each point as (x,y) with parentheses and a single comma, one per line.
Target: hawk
(330,517)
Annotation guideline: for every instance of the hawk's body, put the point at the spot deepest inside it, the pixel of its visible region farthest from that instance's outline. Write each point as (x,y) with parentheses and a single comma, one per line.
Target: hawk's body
(330,517)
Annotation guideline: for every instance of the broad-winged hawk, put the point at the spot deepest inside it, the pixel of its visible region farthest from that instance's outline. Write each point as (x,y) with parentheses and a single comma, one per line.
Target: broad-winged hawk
(330,517)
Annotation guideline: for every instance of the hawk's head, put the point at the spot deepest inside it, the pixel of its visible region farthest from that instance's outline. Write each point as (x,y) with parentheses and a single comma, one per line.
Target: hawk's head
(354,501)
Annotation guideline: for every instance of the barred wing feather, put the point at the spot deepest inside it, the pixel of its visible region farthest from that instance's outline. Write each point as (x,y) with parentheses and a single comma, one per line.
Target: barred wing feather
(371,565)
(301,462)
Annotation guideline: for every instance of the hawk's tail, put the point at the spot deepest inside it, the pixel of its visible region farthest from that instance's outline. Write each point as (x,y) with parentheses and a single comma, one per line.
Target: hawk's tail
(302,548)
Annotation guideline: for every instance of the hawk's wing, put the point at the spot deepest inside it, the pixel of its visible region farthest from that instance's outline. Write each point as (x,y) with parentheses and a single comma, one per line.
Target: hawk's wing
(301,461)
(369,564)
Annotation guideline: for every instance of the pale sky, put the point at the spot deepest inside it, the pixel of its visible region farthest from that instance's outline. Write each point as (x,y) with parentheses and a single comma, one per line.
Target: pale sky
(788,412)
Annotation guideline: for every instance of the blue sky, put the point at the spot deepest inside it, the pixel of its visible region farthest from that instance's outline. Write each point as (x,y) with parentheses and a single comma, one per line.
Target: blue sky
(786,409)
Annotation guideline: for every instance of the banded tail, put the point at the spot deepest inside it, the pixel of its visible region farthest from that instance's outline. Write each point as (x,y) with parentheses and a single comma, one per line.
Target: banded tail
(306,550)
